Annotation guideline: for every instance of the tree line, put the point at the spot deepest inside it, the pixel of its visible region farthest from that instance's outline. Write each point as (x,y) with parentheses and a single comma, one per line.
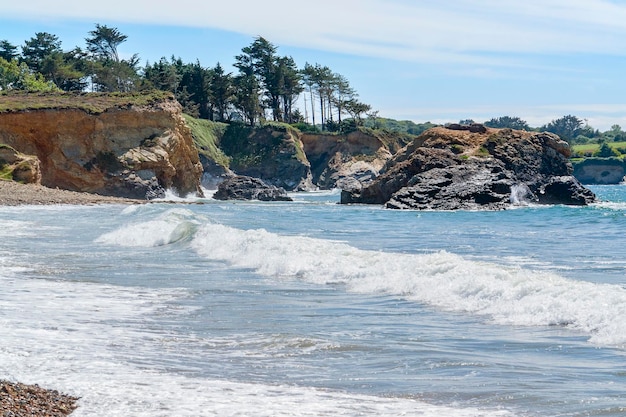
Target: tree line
(570,128)
(266,85)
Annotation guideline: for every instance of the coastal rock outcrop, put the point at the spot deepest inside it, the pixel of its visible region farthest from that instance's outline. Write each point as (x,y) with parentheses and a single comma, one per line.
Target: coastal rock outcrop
(242,187)
(135,150)
(273,153)
(351,160)
(451,169)
(18,167)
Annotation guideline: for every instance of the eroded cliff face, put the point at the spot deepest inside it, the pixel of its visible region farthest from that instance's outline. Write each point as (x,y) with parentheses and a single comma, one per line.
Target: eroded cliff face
(348,161)
(270,153)
(133,151)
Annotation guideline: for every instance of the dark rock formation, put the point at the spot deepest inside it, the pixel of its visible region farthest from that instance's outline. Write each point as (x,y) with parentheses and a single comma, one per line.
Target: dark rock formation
(273,153)
(451,169)
(474,127)
(248,188)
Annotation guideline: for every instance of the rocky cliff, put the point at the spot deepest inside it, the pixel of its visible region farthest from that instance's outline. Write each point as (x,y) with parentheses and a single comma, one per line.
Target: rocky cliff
(120,148)
(600,170)
(15,166)
(272,152)
(450,169)
(349,160)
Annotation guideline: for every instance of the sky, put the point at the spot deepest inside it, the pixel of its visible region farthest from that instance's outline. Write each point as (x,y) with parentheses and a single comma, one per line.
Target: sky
(419,60)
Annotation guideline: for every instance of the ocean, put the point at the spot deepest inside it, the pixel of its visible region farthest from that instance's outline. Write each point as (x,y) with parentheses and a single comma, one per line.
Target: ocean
(311,308)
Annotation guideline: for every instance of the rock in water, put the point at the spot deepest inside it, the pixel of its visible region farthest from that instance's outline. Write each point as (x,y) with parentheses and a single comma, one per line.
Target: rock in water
(452,169)
(248,188)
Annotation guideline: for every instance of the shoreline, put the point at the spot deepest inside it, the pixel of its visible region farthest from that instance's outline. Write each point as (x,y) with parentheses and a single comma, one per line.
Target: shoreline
(19,400)
(17,194)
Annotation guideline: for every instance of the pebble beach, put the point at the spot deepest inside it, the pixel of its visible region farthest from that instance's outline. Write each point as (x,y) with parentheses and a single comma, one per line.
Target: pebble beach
(20,400)
(15,194)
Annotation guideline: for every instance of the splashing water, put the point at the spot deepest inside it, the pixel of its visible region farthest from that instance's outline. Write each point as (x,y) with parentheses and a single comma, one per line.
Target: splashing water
(520,194)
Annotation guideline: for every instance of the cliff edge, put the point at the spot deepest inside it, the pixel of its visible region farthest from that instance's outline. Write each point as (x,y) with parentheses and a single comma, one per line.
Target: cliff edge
(133,146)
(478,168)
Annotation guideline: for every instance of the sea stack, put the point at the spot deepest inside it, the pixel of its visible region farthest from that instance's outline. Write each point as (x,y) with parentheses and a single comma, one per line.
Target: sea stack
(475,168)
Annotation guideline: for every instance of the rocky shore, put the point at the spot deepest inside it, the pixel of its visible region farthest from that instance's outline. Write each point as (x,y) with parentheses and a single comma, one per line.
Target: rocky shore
(15,194)
(20,400)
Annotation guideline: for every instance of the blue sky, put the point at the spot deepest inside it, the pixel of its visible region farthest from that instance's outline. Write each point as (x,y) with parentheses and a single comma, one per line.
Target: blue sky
(421,60)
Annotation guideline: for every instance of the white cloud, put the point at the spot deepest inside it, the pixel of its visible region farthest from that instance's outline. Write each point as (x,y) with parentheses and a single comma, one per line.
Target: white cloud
(599,116)
(489,32)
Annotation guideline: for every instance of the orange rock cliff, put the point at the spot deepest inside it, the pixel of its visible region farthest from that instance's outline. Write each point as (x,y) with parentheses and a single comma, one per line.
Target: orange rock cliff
(135,151)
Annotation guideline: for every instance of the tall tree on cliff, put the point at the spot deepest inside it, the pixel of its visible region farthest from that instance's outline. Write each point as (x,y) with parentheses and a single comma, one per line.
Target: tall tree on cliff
(277,77)
(195,86)
(163,75)
(108,71)
(66,70)
(258,60)
(318,78)
(290,86)
(567,127)
(247,97)
(334,92)
(8,51)
(342,94)
(38,48)
(222,90)
(247,87)
(43,54)
(308,74)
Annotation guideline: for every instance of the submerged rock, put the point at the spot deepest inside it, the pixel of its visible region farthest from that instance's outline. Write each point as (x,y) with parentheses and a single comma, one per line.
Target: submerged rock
(248,188)
(452,169)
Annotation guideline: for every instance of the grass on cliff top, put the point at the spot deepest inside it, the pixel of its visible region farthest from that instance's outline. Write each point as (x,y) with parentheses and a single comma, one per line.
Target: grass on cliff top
(92,103)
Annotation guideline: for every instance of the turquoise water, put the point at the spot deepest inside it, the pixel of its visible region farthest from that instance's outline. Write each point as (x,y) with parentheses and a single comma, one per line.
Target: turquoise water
(312,308)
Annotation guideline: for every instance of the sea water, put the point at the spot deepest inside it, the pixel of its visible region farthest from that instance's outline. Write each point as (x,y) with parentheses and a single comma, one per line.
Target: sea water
(311,308)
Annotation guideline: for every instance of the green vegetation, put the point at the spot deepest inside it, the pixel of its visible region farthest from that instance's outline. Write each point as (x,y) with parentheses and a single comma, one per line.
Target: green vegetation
(207,136)
(266,86)
(603,150)
(404,126)
(482,152)
(393,140)
(508,122)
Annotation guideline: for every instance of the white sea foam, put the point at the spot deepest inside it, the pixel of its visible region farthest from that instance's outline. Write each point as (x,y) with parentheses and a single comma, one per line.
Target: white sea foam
(80,338)
(506,295)
(169,227)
